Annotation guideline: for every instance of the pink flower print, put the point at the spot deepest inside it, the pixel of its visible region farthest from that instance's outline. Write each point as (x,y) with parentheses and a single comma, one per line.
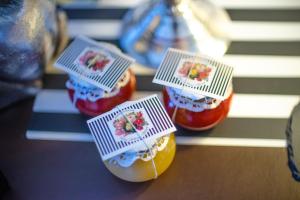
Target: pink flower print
(120,132)
(184,70)
(130,124)
(93,60)
(138,122)
(118,125)
(139,114)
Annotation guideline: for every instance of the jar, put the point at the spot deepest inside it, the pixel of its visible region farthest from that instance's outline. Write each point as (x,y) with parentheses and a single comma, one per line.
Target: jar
(144,163)
(195,112)
(92,101)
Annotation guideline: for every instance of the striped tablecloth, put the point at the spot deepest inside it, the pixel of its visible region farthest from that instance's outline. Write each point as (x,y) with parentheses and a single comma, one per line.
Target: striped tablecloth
(265,52)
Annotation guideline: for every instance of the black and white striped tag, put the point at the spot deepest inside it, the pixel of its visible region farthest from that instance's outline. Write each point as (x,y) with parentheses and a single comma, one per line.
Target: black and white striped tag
(194,73)
(113,132)
(95,63)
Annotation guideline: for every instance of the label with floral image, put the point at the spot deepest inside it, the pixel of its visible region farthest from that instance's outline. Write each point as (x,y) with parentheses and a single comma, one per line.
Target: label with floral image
(94,61)
(194,71)
(99,64)
(130,125)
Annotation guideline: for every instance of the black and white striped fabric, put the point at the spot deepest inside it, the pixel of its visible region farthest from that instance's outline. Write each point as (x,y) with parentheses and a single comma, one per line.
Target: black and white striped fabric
(158,124)
(265,54)
(166,74)
(108,78)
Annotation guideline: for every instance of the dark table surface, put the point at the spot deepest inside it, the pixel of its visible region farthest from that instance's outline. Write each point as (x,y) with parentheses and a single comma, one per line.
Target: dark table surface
(43,169)
(72,170)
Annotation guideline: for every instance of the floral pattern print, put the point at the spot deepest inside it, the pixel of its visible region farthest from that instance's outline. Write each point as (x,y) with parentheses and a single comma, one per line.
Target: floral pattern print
(124,125)
(93,60)
(194,71)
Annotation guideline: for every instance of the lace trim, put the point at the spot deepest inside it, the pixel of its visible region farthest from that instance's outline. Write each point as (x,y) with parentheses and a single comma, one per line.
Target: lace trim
(128,158)
(195,105)
(89,92)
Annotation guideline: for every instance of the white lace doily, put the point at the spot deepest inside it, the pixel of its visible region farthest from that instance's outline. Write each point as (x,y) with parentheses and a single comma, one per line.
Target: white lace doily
(192,102)
(127,158)
(87,91)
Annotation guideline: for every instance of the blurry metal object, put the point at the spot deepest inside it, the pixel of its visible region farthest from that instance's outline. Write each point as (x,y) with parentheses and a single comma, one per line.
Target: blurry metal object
(77,2)
(293,142)
(31,32)
(192,25)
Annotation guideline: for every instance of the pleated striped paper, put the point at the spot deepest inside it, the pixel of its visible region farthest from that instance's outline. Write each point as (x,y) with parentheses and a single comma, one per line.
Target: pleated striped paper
(216,88)
(108,78)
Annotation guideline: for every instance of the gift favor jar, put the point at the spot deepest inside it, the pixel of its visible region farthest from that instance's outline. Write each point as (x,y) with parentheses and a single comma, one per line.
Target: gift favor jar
(144,163)
(195,112)
(92,101)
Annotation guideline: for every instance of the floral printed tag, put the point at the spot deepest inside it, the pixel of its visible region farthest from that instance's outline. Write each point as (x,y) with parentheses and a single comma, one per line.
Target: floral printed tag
(94,61)
(194,73)
(126,125)
(98,64)
(130,125)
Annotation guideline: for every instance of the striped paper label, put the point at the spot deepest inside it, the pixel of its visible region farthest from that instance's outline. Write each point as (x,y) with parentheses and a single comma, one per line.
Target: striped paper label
(194,73)
(113,132)
(94,63)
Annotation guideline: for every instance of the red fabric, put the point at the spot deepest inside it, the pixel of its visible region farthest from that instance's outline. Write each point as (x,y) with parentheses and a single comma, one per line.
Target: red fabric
(198,120)
(105,104)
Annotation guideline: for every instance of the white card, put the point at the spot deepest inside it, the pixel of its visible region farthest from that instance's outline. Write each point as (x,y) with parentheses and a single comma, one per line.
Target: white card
(93,62)
(194,73)
(114,134)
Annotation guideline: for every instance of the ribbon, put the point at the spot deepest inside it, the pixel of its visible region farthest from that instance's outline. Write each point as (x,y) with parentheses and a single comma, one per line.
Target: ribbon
(139,134)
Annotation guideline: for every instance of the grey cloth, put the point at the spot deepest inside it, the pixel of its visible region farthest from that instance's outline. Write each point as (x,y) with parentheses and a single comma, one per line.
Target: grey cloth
(29,36)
